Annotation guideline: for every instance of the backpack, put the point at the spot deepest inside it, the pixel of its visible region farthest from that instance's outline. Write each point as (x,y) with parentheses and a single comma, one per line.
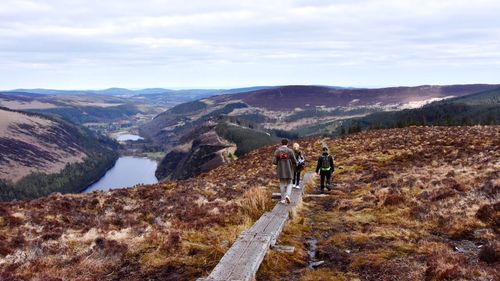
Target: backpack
(325,163)
(283,155)
(301,162)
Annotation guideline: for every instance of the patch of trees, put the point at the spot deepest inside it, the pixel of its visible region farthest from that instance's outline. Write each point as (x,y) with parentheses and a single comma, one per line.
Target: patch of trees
(167,118)
(439,114)
(291,135)
(86,114)
(254,117)
(223,111)
(188,107)
(246,139)
(73,178)
(316,113)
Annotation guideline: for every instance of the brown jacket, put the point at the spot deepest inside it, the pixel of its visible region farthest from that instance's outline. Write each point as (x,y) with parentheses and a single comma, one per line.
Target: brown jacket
(285,167)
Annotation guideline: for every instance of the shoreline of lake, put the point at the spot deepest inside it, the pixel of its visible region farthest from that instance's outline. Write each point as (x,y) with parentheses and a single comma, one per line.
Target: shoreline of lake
(127,172)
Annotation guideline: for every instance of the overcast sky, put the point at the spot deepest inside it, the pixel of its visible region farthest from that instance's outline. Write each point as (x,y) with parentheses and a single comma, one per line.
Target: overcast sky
(93,44)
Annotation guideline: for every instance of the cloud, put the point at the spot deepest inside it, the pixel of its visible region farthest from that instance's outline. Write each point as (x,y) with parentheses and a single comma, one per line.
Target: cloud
(313,42)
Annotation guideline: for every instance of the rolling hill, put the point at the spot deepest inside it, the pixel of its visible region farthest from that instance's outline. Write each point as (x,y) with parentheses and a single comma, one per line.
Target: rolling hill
(296,107)
(289,111)
(418,203)
(75,108)
(481,108)
(208,146)
(40,155)
(288,98)
(108,105)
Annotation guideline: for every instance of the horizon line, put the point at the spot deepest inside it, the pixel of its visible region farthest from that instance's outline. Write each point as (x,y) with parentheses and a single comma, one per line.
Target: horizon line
(240,87)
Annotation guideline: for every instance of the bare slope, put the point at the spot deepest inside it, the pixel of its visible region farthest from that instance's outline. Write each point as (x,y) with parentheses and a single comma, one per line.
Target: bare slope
(31,143)
(75,108)
(41,154)
(411,204)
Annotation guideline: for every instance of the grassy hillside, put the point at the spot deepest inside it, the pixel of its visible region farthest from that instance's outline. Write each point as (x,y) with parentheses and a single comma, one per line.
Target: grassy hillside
(76,108)
(481,108)
(295,108)
(86,114)
(168,127)
(209,146)
(245,139)
(410,204)
(41,155)
(288,98)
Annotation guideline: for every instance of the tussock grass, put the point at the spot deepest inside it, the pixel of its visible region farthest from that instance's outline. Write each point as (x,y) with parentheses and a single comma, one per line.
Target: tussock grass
(255,202)
(404,201)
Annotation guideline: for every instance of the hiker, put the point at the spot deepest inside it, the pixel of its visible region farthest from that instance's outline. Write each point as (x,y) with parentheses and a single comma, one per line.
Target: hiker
(285,160)
(300,165)
(325,169)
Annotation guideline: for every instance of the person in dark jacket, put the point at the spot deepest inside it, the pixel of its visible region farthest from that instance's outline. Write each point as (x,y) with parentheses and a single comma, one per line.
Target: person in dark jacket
(300,165)
(285,162)
(325,169)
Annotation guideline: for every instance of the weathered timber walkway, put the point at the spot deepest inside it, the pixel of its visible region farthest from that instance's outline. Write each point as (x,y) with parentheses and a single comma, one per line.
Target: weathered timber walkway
(242,260)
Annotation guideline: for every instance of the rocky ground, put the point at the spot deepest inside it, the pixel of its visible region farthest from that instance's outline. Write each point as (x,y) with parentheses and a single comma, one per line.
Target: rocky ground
(409,204)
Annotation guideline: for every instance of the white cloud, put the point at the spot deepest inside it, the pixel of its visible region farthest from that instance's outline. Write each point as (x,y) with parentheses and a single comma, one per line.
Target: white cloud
(211,42)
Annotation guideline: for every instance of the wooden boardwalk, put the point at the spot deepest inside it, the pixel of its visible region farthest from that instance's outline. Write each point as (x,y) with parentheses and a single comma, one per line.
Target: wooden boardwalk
(242,260)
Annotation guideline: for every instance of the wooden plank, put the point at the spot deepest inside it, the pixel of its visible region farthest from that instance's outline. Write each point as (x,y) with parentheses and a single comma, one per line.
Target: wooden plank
(224,269)
(276,196)
(242,261)
(261,223)
(275,227)
(283,248)
(315,195)
(249,264)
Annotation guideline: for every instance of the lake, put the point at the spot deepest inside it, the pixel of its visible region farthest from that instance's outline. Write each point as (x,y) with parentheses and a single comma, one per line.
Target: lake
(127,172)
(129,137)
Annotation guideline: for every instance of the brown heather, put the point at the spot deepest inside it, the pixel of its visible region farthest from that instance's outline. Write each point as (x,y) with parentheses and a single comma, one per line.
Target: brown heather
(409,204)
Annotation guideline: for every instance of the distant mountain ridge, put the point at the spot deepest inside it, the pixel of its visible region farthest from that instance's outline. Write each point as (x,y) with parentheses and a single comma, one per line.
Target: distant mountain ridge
(116,91)
(295,107)
(272,111)
(298,96)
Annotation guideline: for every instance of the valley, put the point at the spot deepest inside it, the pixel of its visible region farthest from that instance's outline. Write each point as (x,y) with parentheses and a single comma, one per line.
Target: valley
(42,154)
(253,119)
(164,140)
(216,127)
(416,203)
